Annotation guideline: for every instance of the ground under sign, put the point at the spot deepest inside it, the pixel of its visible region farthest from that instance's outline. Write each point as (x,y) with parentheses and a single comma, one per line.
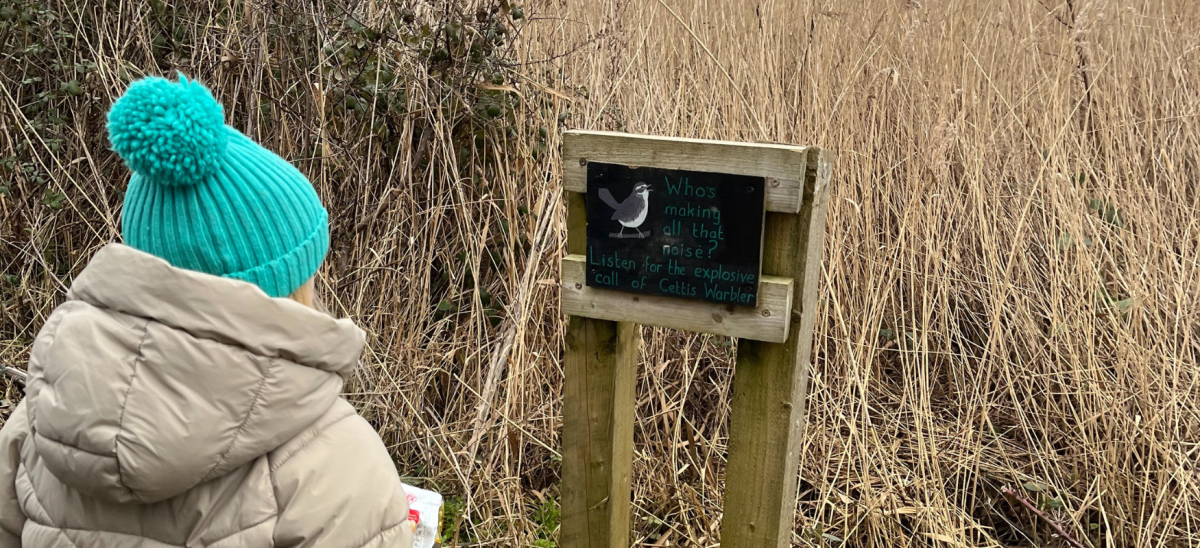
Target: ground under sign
(678,233)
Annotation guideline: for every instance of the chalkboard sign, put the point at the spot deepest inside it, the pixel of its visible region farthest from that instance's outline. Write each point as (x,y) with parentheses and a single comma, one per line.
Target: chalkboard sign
(687,234)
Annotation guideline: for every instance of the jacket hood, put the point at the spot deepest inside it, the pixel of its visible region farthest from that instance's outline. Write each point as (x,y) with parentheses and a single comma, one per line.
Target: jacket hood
(152,379)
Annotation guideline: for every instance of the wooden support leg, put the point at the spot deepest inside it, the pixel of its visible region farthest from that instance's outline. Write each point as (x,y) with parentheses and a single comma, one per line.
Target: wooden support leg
(598,412)
(770,383)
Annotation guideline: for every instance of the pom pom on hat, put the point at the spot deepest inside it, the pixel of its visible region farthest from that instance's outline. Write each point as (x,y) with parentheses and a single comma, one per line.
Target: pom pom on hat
(171,133)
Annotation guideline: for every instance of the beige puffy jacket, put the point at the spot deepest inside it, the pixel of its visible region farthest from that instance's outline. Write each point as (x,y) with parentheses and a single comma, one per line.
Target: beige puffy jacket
(172,408)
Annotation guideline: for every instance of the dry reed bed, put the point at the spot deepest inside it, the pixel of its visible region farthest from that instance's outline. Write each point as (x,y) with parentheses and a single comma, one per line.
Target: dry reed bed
(1010,292)
(1011,285)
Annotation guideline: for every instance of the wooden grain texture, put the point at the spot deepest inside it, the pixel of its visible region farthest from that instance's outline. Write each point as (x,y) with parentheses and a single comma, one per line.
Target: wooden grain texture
(781,165)
(576,223)
(768,322)
(600,373)
(770,383)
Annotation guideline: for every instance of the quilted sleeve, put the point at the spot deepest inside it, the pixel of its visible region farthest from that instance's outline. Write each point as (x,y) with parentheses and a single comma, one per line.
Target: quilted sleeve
(12,437)
(337,487)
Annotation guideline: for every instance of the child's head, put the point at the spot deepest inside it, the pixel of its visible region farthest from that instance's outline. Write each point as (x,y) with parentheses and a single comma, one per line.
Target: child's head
(207,198)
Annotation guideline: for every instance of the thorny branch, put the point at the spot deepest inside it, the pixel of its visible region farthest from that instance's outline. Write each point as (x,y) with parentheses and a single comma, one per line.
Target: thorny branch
(1057,528)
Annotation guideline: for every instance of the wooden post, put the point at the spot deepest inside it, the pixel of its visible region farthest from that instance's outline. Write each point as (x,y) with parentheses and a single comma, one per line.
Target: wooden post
(770,384)
(600,372)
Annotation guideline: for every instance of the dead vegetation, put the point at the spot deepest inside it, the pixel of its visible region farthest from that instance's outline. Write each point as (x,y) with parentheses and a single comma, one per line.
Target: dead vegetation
(1011,288)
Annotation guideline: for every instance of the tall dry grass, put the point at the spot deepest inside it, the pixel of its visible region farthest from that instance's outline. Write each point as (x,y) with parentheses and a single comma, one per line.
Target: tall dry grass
(1010,295)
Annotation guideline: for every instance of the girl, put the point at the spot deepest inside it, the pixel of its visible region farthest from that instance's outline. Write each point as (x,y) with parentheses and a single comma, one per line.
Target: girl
(175,399)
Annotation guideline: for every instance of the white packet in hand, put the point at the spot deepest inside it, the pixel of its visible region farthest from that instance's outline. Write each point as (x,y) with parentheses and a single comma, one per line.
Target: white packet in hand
(425,514)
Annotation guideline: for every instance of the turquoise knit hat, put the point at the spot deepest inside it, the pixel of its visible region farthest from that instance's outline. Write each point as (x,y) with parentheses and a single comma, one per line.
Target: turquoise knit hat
(205,197)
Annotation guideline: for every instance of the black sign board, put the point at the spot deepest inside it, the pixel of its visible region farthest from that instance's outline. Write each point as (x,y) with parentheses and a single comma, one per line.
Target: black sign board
(687,234)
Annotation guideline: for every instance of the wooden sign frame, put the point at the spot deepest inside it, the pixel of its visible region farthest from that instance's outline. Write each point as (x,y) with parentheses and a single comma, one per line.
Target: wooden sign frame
(774,343)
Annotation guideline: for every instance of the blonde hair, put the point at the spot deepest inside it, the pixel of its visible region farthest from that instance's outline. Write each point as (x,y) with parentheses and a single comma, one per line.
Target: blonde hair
(307,296)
